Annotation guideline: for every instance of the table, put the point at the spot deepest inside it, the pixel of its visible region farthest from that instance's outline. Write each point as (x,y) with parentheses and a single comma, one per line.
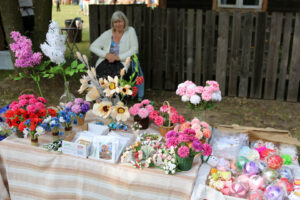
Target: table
(33,173)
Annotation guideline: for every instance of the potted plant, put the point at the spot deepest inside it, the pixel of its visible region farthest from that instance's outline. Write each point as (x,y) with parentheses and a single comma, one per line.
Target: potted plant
(80,108)
(67,118)
(33,129)
(52,124)
(166,118)
(141,112)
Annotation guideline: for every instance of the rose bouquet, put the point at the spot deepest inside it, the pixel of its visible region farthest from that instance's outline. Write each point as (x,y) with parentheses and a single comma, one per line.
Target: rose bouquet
(198,97)
(80,108)
(141,112)
(187,146)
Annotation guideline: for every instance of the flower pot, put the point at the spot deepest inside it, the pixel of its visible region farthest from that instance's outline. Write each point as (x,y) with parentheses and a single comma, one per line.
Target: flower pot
(184,164)
(68,131)
(80,121)
(144,122)
(164,129)
(19,134)
(35,142)
(55,136)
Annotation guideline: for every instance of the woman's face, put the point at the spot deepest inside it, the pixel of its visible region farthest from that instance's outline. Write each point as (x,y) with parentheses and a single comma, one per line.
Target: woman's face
(119,25)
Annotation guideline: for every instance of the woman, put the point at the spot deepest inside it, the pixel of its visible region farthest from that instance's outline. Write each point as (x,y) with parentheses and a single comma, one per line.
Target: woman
(114,46)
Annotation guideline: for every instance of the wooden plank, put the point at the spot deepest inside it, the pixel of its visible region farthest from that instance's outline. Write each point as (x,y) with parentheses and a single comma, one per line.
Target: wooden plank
(273,53)
(246,39)
(171,48)
(198,51)
(94,32)
(211,50)
(102,18)
(163,45)
(256,83)
(110,11)
(285,56)
(181,44)
(148,28)
(137,24)
(129,14)
(234,64)
(208,40)
(222,50)
(2,35)
(156,50)
(142,41)
(294,74)
(190,43)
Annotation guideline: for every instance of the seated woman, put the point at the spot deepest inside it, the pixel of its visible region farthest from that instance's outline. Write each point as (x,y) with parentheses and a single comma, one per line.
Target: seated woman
(114,46)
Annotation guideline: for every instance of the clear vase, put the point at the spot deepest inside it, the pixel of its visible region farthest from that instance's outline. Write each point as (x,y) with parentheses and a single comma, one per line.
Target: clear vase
(67,96)
(200,114)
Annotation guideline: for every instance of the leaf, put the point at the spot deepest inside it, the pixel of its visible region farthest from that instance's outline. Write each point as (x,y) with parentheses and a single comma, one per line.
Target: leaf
(81,66)
(46,75)
(74,64)
(17,78)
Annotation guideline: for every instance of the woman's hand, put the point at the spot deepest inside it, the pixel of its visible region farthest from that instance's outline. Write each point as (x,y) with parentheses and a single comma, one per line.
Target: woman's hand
(112,57)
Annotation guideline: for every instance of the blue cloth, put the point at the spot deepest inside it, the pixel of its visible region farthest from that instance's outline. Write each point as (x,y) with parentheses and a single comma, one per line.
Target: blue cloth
(141,87)
(3,110)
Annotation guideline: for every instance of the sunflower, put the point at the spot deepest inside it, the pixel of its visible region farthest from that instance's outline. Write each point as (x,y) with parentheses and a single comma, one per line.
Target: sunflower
(125,90)
(112,86)
(103,109)
(103,82)
(120,112)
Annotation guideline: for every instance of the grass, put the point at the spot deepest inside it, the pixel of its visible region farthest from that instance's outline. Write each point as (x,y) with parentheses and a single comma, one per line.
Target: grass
(70,12)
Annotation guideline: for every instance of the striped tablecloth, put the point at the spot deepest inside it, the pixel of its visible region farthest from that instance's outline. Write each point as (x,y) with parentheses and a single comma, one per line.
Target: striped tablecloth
(33,173)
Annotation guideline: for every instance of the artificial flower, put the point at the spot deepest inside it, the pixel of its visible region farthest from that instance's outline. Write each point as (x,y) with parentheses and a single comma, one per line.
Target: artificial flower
(92,94)
(125,90)
(183,151)
(120,112)
(103,109)
(112,86)
(103,82)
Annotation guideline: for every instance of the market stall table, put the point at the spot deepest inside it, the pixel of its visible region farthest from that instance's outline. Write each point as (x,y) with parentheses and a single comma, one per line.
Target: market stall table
(33,173)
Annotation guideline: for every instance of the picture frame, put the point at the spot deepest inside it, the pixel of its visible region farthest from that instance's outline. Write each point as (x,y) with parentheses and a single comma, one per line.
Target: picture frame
(104,148)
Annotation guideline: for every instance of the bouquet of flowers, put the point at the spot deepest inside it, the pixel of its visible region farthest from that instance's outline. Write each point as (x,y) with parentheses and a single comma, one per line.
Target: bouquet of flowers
(80,108)
(67,118)
(141,112)
(33,129)
(5,130)
(198,97)
(187,146)
(51,124)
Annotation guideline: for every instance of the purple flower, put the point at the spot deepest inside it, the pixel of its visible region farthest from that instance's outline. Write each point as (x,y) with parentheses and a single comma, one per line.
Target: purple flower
(85,108)
(69,104)
(183,151)
(197,145)
(171,134)
(189,132)
(88,103)
(206,149)
(183,138)
(172,142)
(76,109)
(78,100)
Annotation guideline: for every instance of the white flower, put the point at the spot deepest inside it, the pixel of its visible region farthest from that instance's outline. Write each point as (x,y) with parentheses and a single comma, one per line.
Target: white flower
(216,96)
(54,46)
(26,132)
(39,130)
(185,98)
(61,120)
(47,120)
(195,99)
(181,85)
(192,86)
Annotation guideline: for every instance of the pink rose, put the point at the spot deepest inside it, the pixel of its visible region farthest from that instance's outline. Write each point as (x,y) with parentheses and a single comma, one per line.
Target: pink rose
(159,120)
(40,105)
(206,132)
(23,102)
(23,96)
(30,96)
(196,126)
(133,110)
(15,107)
(153,115)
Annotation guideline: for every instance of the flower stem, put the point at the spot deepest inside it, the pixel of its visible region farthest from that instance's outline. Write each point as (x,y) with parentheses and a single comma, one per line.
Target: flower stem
(40,90)
(67,87)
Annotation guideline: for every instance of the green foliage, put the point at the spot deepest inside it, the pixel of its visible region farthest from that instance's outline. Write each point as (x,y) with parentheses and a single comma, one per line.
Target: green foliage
(204,105)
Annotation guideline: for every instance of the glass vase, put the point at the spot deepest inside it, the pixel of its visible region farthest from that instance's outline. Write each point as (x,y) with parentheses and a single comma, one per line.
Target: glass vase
(200,114)
(67,96)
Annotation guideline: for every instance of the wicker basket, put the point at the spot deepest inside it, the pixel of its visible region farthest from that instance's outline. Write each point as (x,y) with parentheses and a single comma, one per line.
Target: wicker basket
(164,129)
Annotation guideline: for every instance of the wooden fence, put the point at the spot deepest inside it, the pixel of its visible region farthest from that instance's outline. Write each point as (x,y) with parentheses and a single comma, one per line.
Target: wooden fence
(250,54)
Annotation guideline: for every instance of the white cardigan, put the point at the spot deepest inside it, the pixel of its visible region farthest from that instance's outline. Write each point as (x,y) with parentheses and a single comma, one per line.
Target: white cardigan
(128,45)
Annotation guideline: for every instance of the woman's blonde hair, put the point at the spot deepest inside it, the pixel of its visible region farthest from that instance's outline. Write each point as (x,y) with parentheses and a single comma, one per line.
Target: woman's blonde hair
(119,15)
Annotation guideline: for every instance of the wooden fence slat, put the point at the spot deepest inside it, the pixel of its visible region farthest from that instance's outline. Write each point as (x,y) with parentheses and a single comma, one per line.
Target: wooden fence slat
(163,45)
(294,74)
(246,39)
(285,56)
(156,51)
(171,48)
(235,47)
(208,41)
(110,11)
(129,14)
(212,46)
(102,18)
(94,32)
(190,43)
(198,51)
(181,44)
(222,50)
(148,42)
(137,25)
(256,83)
(273,53)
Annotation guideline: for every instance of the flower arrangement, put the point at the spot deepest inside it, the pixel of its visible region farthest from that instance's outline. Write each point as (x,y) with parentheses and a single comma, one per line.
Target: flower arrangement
(67,118)
(187,146)
(5,130)
(142,110)
(51,124)
(79,106)
(33,129)
(198,97)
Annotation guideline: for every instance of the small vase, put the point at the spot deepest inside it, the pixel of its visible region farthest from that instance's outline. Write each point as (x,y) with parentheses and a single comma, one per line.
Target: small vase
(35,142)
(164,129)
(80,121)
(68,131)
(67,96)
(19,134)
(55,136)
(184,164)
(200,114)
(144,122)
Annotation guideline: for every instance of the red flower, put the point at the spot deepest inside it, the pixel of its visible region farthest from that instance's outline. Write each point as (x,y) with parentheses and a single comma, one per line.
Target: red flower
(136,155)
(34,121)
(52,112)
(16,122)
(139,80)
(18,112)
(9,114)
(32,127)
(8,121)
(26,115)
(42,112)
(22,126)
(134,91)
(32,115)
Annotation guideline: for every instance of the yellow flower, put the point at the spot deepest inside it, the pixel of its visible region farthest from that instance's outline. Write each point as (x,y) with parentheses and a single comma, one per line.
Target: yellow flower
(103,83)
(103,109)
(120,112)
(125,90)
(112,86)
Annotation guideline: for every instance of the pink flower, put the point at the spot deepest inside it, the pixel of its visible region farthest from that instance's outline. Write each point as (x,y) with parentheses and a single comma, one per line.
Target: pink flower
(30,96)
(189,132)
(206,133)
(185,125)
(78,100)
(15,107)
(150,108)
(197,145)
(181,91)
(145,102)
(143,113)
(32,108)
(183,138)
(39,105)
(196,127)
(69,104)
(183,151)
(164,108)
(138,105)
(172,142)
(171,133)
(159,120)
(153,115)
(206,96)
(134,110)
(42,99)
(23,96)
(204,124)
(206,149)
(23,102)
(195,121)
(33,100)
(199,89)
(181,119)
(190,92)
(187,83)
(174,118)
(214,85)
(76,108)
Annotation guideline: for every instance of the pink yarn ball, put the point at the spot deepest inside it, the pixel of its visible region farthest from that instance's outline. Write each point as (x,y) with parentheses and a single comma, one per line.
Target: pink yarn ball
(238,190)
(256,182)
